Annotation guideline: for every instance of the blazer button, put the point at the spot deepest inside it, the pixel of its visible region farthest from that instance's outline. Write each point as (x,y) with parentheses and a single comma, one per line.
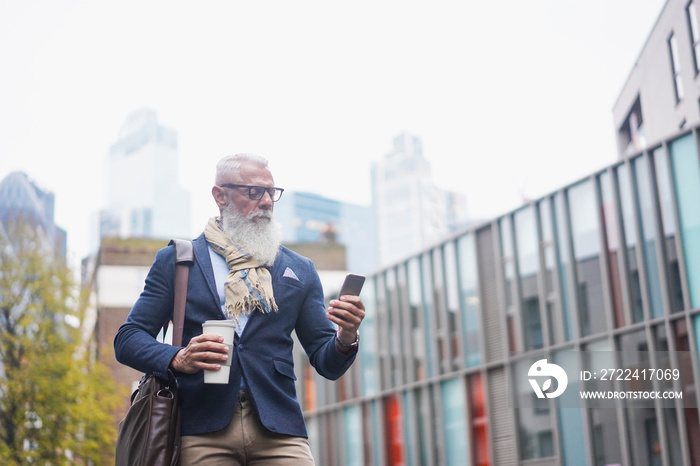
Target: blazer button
(240,347)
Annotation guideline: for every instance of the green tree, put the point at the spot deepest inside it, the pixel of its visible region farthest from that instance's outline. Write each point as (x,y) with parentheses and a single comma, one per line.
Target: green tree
(56,402)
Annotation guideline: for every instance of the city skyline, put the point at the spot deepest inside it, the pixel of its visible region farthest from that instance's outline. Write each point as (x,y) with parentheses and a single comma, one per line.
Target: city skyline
(324,86)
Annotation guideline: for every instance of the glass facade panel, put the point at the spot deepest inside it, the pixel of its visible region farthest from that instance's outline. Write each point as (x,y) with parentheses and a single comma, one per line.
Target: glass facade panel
(612,244)
(440,316)
(527,245)
(586,237)
(453,310)
(383,339)
(369,443)
(663,361)
(668,223)
(534,422)
(642,423)
(570,419)
(646,210)
(393,328)
(408,427)
(685,364)
(419,347)
(554,318)
(428,312)
(425,424)
(630,234)
(603,419)
(454,421)
(309,387)
(368,349)
(508,259)
(314,438)
(686,173)
(563,260)
(377,425)
(508,262)
(469,287)
(352,424)
(394,433)
(405,316)
(481,455)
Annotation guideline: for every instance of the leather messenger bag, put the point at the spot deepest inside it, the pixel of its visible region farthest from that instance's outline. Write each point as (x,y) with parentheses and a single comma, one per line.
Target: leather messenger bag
(149,434)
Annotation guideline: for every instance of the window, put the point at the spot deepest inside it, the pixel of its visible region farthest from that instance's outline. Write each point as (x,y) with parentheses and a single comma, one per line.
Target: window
(585,227)
(554,317)
(478,422)
(393,428)
(418,369)
(368,349)
(686,173)
(675,66)
(603,420)
(454,421)
(429,310)
(533,417)
(563,259)
(647,206)
(612,244)
(469,284)
(508,264)
(692,15)
(629,228)
(571,427)
(685,363)
(668,223)
(352,425)
(528,267)
(632,135)
(641,414)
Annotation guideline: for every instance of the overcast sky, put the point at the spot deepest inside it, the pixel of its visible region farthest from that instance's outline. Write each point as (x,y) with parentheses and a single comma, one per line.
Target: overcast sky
(511,98)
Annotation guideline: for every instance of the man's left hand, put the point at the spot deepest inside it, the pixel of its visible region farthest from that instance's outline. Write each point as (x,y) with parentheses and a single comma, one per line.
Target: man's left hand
(347,313)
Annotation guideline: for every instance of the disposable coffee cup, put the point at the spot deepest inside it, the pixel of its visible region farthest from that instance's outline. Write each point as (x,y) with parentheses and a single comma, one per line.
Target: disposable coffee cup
(226,329)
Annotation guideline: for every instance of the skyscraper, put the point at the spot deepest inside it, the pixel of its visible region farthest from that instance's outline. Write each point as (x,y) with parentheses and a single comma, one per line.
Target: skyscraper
(21,198)
(410,212)
(144,198)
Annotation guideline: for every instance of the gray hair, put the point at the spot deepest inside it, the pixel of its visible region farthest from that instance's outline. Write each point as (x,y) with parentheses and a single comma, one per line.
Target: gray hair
(231,164)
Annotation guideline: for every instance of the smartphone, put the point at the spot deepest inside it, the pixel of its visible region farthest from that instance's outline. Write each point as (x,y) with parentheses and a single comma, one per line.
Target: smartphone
(352,285)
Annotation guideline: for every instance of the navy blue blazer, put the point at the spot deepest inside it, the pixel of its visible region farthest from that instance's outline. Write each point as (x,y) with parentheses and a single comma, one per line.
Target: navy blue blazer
(263,353)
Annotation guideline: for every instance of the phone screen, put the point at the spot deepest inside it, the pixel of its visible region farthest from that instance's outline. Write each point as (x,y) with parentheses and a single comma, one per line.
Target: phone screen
(352,285)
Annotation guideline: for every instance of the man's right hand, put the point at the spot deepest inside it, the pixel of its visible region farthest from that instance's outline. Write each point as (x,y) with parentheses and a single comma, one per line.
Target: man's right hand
(201,352)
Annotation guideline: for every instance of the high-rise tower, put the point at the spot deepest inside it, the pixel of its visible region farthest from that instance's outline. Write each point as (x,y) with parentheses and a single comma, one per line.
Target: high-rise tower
(144,198)
(22,199)
(411,213)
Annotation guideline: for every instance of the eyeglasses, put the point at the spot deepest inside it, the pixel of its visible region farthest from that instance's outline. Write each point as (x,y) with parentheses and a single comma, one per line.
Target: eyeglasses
(256,193)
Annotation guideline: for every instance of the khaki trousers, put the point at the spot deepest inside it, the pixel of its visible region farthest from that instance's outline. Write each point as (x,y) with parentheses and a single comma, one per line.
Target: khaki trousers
(245,441)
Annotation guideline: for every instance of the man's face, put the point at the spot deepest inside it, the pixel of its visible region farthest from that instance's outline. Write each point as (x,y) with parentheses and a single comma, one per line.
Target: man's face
(250,174)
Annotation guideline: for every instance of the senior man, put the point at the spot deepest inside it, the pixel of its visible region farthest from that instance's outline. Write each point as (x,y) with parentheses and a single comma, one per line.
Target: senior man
(241,272)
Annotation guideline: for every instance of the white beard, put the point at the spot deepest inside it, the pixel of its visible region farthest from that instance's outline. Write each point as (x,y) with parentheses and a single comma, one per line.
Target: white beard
(257,233)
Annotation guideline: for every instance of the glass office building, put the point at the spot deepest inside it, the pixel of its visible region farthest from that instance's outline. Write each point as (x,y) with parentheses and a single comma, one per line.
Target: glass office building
(607,265)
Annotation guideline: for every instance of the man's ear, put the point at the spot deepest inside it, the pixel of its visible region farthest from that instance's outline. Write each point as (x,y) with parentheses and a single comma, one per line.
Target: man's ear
(219,196)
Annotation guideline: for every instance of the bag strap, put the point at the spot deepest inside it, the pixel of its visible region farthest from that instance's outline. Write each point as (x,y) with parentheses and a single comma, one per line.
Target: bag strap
(184,258)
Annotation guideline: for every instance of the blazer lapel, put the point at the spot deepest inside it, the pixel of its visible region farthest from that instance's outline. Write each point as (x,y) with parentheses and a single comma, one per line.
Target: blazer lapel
(201,255)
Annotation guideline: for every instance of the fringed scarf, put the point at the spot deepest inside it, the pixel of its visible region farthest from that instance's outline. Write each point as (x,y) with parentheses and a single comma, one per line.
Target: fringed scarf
(248,286)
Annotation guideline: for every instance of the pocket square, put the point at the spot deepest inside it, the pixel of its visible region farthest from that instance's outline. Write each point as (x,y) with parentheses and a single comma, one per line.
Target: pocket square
(290,273)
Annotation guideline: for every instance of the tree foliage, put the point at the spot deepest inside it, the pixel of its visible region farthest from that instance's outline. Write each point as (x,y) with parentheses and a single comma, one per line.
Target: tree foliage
(55,407)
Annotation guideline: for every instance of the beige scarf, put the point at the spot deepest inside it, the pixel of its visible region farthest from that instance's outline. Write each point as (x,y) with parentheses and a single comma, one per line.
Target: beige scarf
(248,286)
